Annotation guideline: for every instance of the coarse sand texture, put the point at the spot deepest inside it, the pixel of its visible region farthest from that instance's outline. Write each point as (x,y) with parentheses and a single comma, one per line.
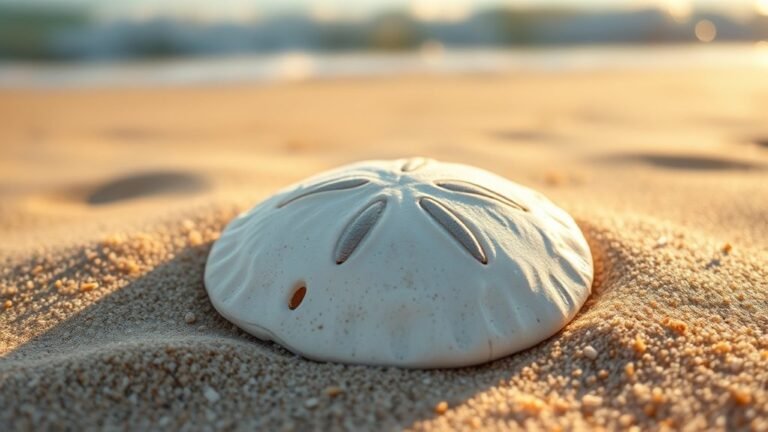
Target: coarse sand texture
(112,201)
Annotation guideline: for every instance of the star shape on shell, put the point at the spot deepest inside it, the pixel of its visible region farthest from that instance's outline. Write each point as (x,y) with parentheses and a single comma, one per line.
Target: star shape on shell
(411,262)
(456,225)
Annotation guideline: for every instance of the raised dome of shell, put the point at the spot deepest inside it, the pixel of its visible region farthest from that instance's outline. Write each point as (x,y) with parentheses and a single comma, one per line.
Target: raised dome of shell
(411,263)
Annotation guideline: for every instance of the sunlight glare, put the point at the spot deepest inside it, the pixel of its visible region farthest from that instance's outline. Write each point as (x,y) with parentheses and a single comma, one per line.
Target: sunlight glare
(705,31)
(761,53)
(325,13)
(295,66)
(761,7)
(679,10)
(436,10)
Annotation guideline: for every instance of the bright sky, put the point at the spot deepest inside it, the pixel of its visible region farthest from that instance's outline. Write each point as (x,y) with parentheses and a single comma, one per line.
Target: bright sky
(334,9)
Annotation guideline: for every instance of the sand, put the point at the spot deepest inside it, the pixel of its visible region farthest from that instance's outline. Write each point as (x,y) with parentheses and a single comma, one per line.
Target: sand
(110,199)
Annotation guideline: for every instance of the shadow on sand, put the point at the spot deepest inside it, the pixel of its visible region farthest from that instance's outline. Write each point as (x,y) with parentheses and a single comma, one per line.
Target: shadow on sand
(686,162)
(147,184)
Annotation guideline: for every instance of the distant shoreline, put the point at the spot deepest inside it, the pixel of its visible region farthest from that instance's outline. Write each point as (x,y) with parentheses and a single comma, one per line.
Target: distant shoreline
(302,66)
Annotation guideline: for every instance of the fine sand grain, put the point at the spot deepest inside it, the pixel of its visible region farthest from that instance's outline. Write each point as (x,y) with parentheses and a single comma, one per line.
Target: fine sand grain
(110,200)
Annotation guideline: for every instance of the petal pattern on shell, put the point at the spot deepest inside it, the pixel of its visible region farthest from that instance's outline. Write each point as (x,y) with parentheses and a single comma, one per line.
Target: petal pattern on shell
(470,188)
(357,229)
(455,227)
(413,164)
(334,185)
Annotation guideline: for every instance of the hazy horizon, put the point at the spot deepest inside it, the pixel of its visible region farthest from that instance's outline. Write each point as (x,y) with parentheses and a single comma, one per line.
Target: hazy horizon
(86,29)
(329,10)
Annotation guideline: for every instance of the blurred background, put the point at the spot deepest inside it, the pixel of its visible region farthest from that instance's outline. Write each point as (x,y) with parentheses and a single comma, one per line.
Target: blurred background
(107,106)
(116,110)
(297,39)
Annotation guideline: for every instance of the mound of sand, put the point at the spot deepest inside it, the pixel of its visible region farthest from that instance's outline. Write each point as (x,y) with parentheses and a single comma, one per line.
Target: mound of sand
(105,322)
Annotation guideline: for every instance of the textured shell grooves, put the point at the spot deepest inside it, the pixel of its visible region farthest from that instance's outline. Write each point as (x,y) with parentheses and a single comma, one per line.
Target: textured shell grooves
(566,295)
(413,164)
(333,185)
(409,262)
(471,188)
(567,262)
(357,229)
(455,227)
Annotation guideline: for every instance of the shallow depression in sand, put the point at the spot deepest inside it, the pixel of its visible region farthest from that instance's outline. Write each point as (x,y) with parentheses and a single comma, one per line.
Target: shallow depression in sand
(686,162)
(146,184)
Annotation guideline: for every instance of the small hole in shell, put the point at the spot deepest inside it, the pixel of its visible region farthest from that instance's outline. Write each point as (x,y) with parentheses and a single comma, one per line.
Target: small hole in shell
(297,297)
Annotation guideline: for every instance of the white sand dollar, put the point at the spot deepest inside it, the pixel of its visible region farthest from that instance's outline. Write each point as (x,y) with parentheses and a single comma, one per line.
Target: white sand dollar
(411,263)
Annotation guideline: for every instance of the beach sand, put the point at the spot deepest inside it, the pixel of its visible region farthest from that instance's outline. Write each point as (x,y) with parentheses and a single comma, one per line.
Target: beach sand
(110,199)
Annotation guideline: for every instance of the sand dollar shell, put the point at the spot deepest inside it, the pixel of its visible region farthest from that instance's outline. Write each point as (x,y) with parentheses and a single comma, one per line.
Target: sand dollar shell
(409,263)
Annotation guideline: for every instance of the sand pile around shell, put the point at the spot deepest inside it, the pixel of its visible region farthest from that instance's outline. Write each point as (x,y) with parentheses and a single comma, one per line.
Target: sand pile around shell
(121,333)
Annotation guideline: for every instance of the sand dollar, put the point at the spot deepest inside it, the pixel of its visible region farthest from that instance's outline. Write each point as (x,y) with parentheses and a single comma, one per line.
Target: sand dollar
(411,263)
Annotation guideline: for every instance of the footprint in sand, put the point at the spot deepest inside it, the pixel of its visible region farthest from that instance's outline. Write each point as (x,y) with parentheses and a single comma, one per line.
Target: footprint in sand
(147,184)
(687,162)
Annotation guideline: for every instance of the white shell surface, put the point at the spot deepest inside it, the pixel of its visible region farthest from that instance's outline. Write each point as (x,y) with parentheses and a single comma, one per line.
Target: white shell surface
(411,263)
